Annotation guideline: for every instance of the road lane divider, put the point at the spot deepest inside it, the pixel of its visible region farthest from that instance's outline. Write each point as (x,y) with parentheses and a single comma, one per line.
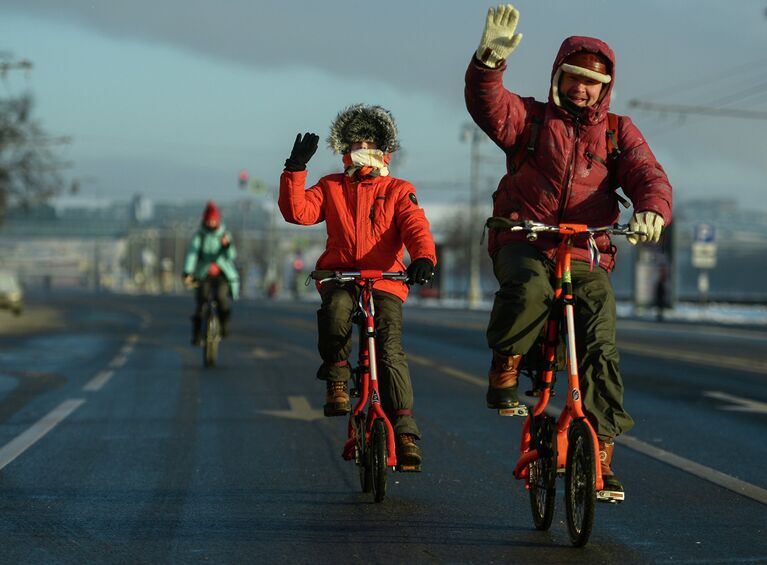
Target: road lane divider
(99,381)
(37,431)
(697,358)
(707,473)
(300,409)
(711,475)
(118,361)
(736,403)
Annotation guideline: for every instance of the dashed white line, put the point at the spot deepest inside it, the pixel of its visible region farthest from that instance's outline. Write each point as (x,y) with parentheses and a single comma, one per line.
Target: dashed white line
(98,381)
(118,361)
(28,438)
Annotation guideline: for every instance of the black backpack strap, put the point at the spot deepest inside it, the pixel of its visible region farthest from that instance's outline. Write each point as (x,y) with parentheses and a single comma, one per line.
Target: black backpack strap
(613,152)
(525,145)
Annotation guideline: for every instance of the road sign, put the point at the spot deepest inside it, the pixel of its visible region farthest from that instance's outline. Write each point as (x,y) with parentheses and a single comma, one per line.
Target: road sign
(704,233)
(704,247)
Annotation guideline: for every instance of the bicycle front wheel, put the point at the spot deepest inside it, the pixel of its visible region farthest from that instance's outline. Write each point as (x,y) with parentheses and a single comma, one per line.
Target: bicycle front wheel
(210,351)
(378,456)
(580,483)
(543,472)
(363,454)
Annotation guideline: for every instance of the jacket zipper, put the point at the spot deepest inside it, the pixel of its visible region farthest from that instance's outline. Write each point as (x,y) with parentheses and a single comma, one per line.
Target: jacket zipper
(569,175)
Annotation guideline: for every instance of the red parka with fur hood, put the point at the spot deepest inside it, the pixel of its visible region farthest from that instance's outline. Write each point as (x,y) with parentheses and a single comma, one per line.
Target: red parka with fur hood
(561,181)
(367,222)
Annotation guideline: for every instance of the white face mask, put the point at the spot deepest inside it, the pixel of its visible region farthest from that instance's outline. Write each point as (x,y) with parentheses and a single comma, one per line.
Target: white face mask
(369,158)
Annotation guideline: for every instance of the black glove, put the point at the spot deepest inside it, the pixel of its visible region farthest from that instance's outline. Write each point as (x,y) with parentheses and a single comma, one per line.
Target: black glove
(420,271)
(303,149)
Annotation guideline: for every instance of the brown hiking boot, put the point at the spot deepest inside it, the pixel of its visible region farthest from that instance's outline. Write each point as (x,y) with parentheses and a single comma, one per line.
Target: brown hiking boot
(611,482)
(502,377)
(337,399)
(408,453)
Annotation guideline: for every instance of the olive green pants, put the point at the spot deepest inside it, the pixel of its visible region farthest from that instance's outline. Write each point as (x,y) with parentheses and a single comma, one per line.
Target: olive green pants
(519,313)
(335,328)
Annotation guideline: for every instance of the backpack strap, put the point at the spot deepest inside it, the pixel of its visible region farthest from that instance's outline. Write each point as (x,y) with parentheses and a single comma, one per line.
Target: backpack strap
(525,145)
(612,136)
(613,151)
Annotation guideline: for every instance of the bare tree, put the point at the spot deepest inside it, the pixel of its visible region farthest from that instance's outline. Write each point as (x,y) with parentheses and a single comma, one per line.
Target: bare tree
(30,172)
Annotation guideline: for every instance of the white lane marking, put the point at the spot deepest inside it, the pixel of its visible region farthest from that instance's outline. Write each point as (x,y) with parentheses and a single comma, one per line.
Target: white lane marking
(738,404)
(300,409)
(118,361)
(98,381)
(697,357)
(261,353)
(132,339)
(455,373)
(127,349)
(34,433)
(717,477)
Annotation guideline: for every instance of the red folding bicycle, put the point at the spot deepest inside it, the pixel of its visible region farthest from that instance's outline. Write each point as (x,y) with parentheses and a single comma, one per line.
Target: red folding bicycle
(370,442)
(566,446)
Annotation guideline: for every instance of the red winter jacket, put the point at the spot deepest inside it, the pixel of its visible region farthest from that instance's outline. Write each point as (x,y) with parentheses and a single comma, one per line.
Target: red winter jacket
(561,181)
(367,222)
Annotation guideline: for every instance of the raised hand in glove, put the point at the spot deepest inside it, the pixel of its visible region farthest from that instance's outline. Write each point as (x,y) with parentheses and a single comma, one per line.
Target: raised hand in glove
(420,271)
(648,226)
(499,39)
(303,149)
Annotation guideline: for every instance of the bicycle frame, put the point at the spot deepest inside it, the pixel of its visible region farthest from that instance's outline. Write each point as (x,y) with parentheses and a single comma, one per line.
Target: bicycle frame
(368,362)
(368,367)
(573,409)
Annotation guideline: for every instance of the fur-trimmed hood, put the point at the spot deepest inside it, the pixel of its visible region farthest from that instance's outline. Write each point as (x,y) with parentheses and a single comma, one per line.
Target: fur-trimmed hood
(363,123)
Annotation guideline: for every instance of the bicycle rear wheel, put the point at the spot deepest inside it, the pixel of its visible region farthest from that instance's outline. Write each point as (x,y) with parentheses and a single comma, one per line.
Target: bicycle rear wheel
(210,350)
(378,455)
(580,483)
(543,471)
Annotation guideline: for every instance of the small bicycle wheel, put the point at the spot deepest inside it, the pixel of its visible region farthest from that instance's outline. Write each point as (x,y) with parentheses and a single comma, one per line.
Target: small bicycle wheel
(378,453)
(363,454)
(543,471)
(210,351)
(580,483)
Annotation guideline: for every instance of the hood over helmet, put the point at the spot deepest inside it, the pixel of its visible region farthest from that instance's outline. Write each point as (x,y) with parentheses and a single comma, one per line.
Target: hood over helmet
(211,214)
(589,57)
(363,123)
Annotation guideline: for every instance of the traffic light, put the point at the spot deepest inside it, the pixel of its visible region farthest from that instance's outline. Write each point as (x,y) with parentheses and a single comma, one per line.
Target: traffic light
(243,179)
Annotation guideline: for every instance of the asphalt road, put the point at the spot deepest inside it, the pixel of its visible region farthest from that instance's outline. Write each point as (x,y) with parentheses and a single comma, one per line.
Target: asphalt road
(117,446)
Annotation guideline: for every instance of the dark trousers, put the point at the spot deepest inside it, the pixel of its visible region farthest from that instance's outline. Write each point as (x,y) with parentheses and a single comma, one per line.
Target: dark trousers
(520,310)
(335,327)
(219,286)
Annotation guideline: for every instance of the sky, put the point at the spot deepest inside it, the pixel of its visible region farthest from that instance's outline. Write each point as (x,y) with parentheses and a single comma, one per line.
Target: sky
(172,98)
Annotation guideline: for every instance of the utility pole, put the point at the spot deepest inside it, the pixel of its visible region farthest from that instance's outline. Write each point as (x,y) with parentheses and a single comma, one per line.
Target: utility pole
(474,136)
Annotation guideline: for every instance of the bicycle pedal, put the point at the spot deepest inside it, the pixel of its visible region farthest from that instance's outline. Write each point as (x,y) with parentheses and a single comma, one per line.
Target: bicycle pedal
(520,410)
(409,468)
(611,496)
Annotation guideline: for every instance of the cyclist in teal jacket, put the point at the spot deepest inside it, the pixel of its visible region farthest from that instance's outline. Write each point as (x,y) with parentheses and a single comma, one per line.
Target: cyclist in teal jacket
(210,262)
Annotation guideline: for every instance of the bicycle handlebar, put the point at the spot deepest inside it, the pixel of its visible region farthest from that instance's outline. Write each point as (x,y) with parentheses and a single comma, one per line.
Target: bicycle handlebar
(348,276)
(533,228)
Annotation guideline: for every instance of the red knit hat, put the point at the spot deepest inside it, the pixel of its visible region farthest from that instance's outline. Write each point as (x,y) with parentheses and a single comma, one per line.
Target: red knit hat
(211,216)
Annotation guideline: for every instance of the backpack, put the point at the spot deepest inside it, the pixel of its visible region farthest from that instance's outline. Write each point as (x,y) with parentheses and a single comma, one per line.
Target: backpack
(525,147)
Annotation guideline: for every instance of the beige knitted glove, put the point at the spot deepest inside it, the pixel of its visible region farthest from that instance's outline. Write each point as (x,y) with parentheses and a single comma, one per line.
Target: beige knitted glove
(648,224)
(499,39)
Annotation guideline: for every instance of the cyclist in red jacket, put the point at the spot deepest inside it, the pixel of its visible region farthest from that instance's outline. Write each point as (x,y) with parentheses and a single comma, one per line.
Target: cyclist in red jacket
(370,218)
(569,174)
